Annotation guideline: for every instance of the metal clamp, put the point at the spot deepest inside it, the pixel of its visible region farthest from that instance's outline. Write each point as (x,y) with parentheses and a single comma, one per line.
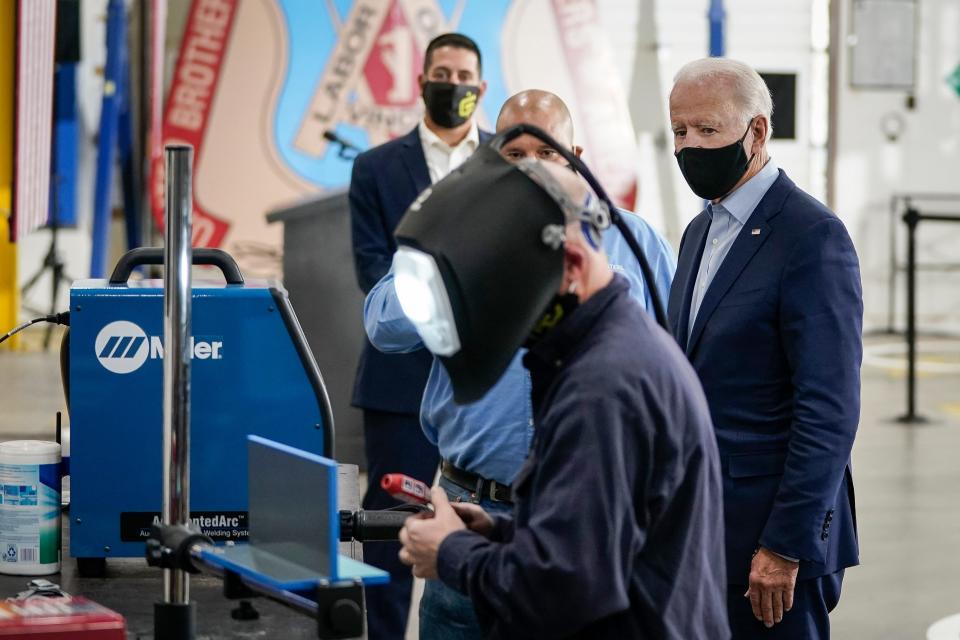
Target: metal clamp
(41,588)
(169,546)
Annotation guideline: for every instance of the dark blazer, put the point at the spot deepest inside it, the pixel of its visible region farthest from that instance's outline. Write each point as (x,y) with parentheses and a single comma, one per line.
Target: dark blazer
(385,181)
(777,346)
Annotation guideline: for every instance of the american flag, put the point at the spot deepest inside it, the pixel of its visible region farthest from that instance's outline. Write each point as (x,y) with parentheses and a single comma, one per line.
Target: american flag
(36,39)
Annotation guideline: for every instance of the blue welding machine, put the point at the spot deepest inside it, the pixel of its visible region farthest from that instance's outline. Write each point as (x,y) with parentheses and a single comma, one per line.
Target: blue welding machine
(252,372)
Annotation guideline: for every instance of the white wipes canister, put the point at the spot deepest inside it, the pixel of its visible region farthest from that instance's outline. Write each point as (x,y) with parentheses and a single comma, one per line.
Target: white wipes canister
(29,507)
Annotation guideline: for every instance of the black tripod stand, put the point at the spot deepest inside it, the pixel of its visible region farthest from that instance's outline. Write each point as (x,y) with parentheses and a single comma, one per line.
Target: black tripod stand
(55,264)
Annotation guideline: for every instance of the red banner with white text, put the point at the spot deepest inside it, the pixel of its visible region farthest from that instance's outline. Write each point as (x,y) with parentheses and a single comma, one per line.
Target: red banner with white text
(186,116)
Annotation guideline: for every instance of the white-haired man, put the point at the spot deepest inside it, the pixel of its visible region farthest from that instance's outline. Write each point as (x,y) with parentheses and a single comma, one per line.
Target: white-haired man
(767,304)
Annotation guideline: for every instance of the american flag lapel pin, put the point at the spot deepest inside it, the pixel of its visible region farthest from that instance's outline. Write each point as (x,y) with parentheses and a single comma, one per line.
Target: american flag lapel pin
(755,232)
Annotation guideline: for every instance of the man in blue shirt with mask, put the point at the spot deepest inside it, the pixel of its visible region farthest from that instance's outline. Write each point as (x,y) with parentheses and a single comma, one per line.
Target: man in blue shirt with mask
(484,444)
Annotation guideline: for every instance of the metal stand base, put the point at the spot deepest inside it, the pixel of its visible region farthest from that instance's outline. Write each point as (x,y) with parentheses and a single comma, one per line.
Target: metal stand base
(174,621)
(912,419)
(340,614)
(245,611)
(54,263)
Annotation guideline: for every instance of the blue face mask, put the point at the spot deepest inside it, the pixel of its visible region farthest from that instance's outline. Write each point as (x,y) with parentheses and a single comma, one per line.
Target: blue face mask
(712,173)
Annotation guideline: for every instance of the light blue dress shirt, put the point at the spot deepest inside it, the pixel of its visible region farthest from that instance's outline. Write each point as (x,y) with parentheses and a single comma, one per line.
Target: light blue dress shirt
(491,437)
(727,218)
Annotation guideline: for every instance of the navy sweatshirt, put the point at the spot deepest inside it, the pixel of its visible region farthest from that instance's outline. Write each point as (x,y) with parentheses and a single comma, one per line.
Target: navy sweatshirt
(618,530)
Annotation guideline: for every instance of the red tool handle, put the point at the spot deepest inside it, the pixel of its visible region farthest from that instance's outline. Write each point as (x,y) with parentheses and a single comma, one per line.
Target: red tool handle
(405,488)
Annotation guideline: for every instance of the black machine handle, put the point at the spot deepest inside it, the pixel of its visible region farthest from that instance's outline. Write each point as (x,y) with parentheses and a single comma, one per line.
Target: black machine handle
(375,526)
(154,255)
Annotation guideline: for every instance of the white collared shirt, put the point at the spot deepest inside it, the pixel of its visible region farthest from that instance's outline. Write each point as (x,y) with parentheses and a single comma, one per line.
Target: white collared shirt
(442,158)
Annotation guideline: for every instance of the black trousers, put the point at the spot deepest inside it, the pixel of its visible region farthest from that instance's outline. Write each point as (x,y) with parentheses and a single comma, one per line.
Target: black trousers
(394,443)
(809,619)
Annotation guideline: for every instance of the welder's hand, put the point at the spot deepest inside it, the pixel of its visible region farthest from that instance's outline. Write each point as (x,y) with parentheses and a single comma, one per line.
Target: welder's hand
(772,580)
(421,537)
(473,515)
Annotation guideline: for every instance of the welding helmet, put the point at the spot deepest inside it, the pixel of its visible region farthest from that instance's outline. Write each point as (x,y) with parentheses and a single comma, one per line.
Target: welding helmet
(480,256)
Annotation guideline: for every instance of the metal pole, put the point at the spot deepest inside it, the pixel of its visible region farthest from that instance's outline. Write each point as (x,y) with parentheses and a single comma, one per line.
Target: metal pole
(152,43)
(911,315)
(716,16)
(911,218)
(892,276)
(107,138)
(142,136)
(833,100)
(649,116)
(178,256)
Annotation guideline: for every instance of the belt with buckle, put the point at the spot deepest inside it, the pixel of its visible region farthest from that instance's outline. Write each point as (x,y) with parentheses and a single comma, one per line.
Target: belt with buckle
(480,486)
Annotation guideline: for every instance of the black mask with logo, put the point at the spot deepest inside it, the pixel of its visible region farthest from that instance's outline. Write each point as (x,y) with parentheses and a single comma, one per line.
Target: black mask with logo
(560,308)
(712,173)
(450,105)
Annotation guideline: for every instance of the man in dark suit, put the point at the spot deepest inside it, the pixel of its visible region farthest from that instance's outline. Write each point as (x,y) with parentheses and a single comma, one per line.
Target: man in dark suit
(388,387)
(767,304)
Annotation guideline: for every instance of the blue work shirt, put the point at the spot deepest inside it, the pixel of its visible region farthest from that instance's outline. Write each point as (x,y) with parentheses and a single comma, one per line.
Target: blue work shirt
(491,437)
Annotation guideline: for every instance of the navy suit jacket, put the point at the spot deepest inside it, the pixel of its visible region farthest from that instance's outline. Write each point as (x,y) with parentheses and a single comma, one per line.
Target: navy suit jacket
(385,181)
(777,345)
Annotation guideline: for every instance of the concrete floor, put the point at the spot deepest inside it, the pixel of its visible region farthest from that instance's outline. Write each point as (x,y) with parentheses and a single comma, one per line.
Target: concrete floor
(908,509)
(908,505)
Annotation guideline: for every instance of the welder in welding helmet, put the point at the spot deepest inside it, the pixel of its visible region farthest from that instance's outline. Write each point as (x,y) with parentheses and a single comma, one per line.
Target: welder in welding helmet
(622,484)
(481,259)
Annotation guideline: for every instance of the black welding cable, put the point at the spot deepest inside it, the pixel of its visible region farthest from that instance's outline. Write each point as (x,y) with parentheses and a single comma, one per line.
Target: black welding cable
(57,318)
(502,138)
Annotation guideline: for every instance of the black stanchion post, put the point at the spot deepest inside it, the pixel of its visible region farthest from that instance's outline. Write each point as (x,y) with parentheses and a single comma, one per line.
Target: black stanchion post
(911,218)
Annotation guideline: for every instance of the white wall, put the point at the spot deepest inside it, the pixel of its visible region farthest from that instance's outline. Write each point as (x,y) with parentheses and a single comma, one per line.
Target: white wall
(771,41)
(926,158)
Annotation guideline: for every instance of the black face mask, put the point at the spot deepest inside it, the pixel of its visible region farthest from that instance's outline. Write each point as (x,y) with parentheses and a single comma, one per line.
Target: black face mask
(450,105)
(559,309)
(711,173)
